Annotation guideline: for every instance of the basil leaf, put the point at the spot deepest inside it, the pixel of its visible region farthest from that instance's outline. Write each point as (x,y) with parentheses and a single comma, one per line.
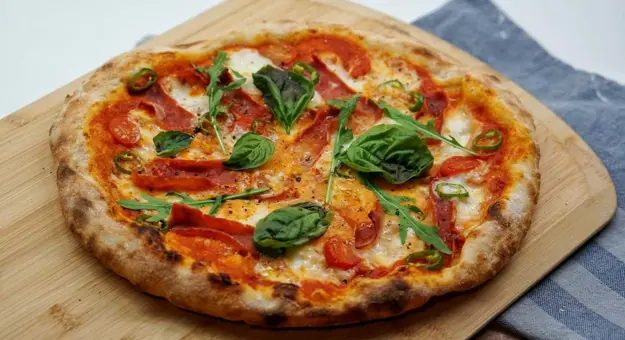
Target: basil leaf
(343,136)
(394,152)
(290,227)
(215,93)
(250,151)
(169,143)
(392,205)
(427,131)
(286,93)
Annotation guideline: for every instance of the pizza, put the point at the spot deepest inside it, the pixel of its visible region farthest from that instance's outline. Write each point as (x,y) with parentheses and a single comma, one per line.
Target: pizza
(297,175)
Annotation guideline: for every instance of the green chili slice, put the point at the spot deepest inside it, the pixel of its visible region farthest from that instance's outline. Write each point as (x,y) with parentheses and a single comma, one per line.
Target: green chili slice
(142,80)
(433,258)
(449,190)
(122,157)
(162,225)
(490,140)
(393,83)
(418,97)
(300,68)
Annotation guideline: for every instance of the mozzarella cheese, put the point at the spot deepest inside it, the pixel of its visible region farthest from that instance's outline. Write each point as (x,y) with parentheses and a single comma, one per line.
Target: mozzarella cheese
(182,94)
(388,248)
(247,61)
(308,262)
(468,209)
(459,125)
(354,84)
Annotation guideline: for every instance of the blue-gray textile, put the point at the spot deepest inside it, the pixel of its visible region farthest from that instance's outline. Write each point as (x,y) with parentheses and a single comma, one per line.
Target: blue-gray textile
(584,298)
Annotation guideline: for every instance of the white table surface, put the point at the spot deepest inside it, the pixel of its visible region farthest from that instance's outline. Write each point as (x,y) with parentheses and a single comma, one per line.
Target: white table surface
(48,43)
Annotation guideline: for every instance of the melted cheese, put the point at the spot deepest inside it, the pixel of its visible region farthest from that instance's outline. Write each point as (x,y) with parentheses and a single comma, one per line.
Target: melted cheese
(334,66)
(459,125)
(388,248)
(197,104)
(149,129)
(308,262)
(468,209)
(247,61)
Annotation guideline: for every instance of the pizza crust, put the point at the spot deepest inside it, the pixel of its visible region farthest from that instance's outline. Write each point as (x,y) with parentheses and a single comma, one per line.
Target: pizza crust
(138,254)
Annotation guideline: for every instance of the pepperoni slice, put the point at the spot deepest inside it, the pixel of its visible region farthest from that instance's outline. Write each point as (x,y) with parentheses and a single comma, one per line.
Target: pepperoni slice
(169,115)
(124,131)
(339,253)
(330,86)
(314,139)
(186,175)
(353,57)
(191,222)
(245,109)
(458,164)
(445,214)
(366,233)
(188,216)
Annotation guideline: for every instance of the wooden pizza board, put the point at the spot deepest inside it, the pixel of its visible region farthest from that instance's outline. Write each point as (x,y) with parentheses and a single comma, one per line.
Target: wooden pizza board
(50,287)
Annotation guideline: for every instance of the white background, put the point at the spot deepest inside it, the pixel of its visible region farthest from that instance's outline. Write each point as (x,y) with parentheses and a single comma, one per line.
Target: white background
(48,43)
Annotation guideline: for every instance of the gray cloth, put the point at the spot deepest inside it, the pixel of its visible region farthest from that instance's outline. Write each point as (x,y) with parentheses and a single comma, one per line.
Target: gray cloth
(585,296)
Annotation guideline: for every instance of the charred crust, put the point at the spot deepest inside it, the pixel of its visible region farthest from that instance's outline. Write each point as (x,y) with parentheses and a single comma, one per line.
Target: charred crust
(152,238)
(495,212)
(286,291)
(320,312)
(221,279)
(64,172)
(274,319)
(394,297)
(173,256)
(198,266)
(79,216)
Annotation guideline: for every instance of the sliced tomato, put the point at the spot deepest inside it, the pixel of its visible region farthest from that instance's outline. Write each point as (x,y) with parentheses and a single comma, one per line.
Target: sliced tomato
(458,164)
(353,57)
(366,233)
(242,244)
(339,253)
(186,175)
(124,131)
(188,216)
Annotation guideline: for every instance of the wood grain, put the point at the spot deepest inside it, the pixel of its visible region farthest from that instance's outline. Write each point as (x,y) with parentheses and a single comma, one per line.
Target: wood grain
(51,288)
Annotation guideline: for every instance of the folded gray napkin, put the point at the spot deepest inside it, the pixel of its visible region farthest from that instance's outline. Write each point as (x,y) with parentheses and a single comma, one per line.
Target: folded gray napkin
(584,298)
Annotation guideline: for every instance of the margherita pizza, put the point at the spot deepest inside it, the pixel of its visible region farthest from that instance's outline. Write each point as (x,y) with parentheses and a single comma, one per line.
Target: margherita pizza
(297,176)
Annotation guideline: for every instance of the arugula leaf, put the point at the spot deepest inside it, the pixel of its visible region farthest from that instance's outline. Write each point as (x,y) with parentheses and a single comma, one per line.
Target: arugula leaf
(169,143)
(290,227)
(392,205)
(163,208)
(427,131)
(215,93)
(250,151)
(343,136)
(286,93)
(393,151)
